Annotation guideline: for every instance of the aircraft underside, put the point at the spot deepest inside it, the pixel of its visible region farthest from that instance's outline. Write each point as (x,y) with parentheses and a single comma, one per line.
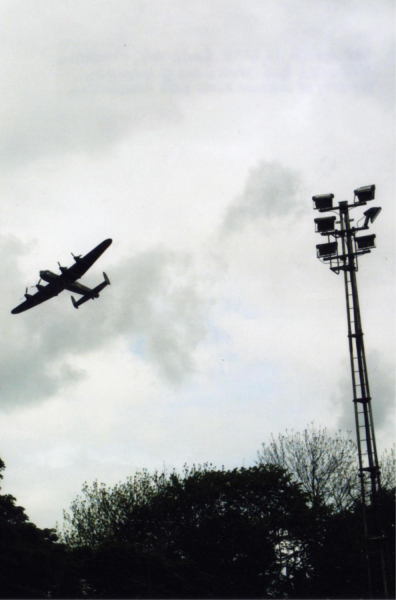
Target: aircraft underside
(67,281)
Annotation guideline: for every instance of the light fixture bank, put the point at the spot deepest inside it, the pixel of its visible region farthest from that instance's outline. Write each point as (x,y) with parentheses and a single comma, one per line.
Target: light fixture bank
(339,257)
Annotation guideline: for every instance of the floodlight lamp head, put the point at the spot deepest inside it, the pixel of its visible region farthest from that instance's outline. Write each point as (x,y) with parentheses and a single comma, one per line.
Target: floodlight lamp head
(325,224)
(323,201)
(364,194)
(327,251)
(371,214)
(365,242)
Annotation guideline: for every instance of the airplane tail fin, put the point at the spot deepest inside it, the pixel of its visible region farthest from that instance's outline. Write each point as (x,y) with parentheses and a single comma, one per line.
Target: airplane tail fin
(101,286)
(77,303)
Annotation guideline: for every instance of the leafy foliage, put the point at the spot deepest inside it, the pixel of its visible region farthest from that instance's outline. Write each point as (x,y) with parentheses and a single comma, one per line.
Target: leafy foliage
(338,561)
(205,533)
(328,471)
(289,527)
(32,565)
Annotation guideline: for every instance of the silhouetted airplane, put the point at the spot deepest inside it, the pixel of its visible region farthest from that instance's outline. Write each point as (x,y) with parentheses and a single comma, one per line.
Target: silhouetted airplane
(67,281)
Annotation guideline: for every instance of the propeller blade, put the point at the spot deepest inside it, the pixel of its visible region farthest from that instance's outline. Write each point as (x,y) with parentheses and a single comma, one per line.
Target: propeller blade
(76,258)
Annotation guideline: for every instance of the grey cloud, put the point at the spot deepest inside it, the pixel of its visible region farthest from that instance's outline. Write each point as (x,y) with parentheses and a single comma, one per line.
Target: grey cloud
(155,303)
(153,298)
(161,303)
(363,58)
(80,79)
(28,376)
(271,190)
(24,367)
(382,388)
(83,118)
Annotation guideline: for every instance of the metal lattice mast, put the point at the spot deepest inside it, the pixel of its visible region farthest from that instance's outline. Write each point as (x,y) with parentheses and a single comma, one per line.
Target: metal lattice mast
(347,261)
(367,451)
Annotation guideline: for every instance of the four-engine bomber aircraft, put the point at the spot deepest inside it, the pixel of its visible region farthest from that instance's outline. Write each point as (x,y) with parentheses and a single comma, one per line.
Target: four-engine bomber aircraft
(67,281)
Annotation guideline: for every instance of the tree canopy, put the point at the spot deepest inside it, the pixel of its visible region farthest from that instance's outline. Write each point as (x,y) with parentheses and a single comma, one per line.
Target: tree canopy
(32,564)
(289,527)
(204,533)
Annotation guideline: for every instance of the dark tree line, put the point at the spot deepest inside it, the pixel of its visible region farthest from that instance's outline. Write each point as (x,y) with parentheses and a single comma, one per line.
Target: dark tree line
(32,563)
(206,533)
(269,531)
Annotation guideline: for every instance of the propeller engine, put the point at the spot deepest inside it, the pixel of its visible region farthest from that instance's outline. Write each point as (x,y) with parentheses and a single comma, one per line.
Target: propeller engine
(76,258)
(62,269)
(26,294)
(38,286)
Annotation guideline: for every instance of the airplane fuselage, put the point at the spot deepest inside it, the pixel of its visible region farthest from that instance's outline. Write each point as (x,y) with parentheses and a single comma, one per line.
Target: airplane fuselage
(61,282)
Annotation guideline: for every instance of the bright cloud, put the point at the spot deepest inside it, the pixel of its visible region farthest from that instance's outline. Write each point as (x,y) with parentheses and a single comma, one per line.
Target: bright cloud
(194,137)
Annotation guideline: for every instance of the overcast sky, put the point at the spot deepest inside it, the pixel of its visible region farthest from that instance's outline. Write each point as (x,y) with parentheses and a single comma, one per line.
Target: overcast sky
(194,133)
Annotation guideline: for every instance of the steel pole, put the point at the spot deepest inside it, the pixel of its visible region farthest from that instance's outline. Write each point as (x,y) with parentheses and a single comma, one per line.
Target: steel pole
(367,451)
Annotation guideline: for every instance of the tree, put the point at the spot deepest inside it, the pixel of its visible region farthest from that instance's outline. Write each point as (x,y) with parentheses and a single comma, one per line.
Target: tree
(388,469)
(32,564)
(205,533)
(326,467)
(289,527)
(337,558)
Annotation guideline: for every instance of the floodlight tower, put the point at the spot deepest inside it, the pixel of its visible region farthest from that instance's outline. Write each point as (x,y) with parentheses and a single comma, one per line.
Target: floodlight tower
(343,256)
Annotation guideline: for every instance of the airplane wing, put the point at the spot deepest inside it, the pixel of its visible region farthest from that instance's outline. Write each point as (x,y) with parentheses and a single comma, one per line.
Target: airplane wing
(84,263)
(44,294)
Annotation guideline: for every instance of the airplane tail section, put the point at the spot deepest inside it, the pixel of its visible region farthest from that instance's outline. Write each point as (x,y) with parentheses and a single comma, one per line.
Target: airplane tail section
(77,303)
(94,293)
(101,286)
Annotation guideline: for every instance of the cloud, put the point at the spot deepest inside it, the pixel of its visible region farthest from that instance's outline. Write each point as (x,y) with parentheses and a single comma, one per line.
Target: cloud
(156,304)
(271,190)
(382,389)
(80,79)
(159,304)
(28,376)
(139,122)
(28,371)
(80,96)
